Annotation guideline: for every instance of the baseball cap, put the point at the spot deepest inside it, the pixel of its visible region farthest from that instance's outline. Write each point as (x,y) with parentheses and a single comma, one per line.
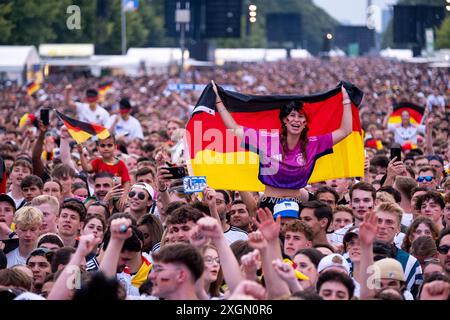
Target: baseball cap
(5,198)
(389,268)
(352,232)
(146,187)
(333,260)
(286,209)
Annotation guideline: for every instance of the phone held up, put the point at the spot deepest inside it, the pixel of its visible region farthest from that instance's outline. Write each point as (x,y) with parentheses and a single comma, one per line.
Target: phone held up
(176,172)
(45,116)
(396,152)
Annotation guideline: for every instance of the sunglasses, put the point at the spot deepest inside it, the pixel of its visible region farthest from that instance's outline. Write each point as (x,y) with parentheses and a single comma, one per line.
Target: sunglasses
(109,145)
(443,249)
(426,178)
(140,195)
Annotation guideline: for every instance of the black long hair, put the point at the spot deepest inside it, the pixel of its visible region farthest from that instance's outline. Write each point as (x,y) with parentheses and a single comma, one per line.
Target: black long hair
(285,110)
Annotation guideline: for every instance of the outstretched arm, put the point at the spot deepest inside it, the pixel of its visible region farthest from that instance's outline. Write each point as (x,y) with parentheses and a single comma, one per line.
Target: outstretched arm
(347,119)
(226,116)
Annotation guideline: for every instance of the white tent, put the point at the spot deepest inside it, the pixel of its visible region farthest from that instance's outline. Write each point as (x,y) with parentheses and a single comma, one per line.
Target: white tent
(16,61)
(256,54)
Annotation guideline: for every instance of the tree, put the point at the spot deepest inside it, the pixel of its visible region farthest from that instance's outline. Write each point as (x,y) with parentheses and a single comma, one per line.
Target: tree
(32,21)
(443,35)
(6,25)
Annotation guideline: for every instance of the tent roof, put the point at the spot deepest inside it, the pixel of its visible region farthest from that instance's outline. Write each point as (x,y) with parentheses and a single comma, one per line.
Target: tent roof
(14,58)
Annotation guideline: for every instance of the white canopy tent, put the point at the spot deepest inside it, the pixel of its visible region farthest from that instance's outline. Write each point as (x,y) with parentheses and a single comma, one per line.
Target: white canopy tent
(17,61)
(256,54)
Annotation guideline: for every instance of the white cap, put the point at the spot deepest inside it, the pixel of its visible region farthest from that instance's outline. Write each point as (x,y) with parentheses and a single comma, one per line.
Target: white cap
(287,209)
(146,187)
(333,260)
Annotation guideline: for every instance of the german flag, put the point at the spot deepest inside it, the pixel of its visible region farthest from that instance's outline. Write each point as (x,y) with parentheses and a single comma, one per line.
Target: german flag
(32,87)
(216,153)
(415,111)
(82,131)
(103,88)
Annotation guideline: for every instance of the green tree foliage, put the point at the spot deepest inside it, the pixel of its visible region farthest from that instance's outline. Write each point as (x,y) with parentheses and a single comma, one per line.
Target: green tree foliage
(6,25)
(443,35)
(25,22)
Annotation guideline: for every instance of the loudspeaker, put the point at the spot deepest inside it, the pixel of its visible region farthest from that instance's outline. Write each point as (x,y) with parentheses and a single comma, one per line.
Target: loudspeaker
(363,36)
(223,19)
(284,27)
(410,22)
(405,26)
(209,19)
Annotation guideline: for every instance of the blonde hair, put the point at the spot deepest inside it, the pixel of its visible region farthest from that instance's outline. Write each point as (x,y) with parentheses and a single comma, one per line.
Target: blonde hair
(384,197)
(28,217)
(42,199)
(391,208)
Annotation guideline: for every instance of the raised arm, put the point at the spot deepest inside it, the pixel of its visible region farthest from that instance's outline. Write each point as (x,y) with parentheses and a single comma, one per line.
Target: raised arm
(226,116)
(367,234)
(211,228)
(85,164)
(63,287)
(112,252)
(64,148)
(68,97)
(347,119)
(249,202)
(38,165)
(429,136)
(268,231)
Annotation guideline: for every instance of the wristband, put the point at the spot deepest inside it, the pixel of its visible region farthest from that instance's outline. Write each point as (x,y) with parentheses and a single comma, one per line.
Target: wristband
(220,101)
(162,190)
(346,101)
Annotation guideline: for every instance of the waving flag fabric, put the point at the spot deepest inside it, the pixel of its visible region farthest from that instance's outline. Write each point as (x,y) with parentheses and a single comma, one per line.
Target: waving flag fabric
(214,152)
(82,131)
(415,111)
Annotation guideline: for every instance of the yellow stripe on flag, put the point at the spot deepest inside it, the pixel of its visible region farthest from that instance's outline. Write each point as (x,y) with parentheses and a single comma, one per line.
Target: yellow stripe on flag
(347,160)
(398,119)
(79,136)
(225,169)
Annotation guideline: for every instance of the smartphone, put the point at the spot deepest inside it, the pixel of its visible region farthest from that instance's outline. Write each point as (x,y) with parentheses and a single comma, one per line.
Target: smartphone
(193,184)
(177,172)
(117,180)
(45,116)
(396,152)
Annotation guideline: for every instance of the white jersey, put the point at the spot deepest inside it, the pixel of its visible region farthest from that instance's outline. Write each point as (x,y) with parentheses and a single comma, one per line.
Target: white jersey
(14,258)
(234,234)
(408,134)
(131,127)
(100,116)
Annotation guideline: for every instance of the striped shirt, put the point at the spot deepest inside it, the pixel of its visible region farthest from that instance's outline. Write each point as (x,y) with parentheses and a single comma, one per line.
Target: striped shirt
(234,234)
(412,270)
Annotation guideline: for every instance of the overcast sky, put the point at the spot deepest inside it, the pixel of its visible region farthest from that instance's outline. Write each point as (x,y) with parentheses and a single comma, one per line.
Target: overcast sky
(352,12)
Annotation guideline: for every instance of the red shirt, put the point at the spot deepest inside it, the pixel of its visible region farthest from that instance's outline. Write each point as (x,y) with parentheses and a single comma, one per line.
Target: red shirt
(118,169)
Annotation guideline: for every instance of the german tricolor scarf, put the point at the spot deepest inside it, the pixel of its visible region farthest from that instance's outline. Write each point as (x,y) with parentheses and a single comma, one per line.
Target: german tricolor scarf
(415,111)
(214,152)
(82,131)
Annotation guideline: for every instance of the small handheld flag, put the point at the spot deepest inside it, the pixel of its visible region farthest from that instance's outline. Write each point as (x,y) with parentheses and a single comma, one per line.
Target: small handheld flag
(82,131)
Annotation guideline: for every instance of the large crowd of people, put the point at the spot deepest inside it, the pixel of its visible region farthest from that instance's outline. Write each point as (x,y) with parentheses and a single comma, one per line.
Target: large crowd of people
(105,219)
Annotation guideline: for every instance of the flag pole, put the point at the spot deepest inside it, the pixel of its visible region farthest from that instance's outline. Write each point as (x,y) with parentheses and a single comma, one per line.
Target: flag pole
(124,28)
